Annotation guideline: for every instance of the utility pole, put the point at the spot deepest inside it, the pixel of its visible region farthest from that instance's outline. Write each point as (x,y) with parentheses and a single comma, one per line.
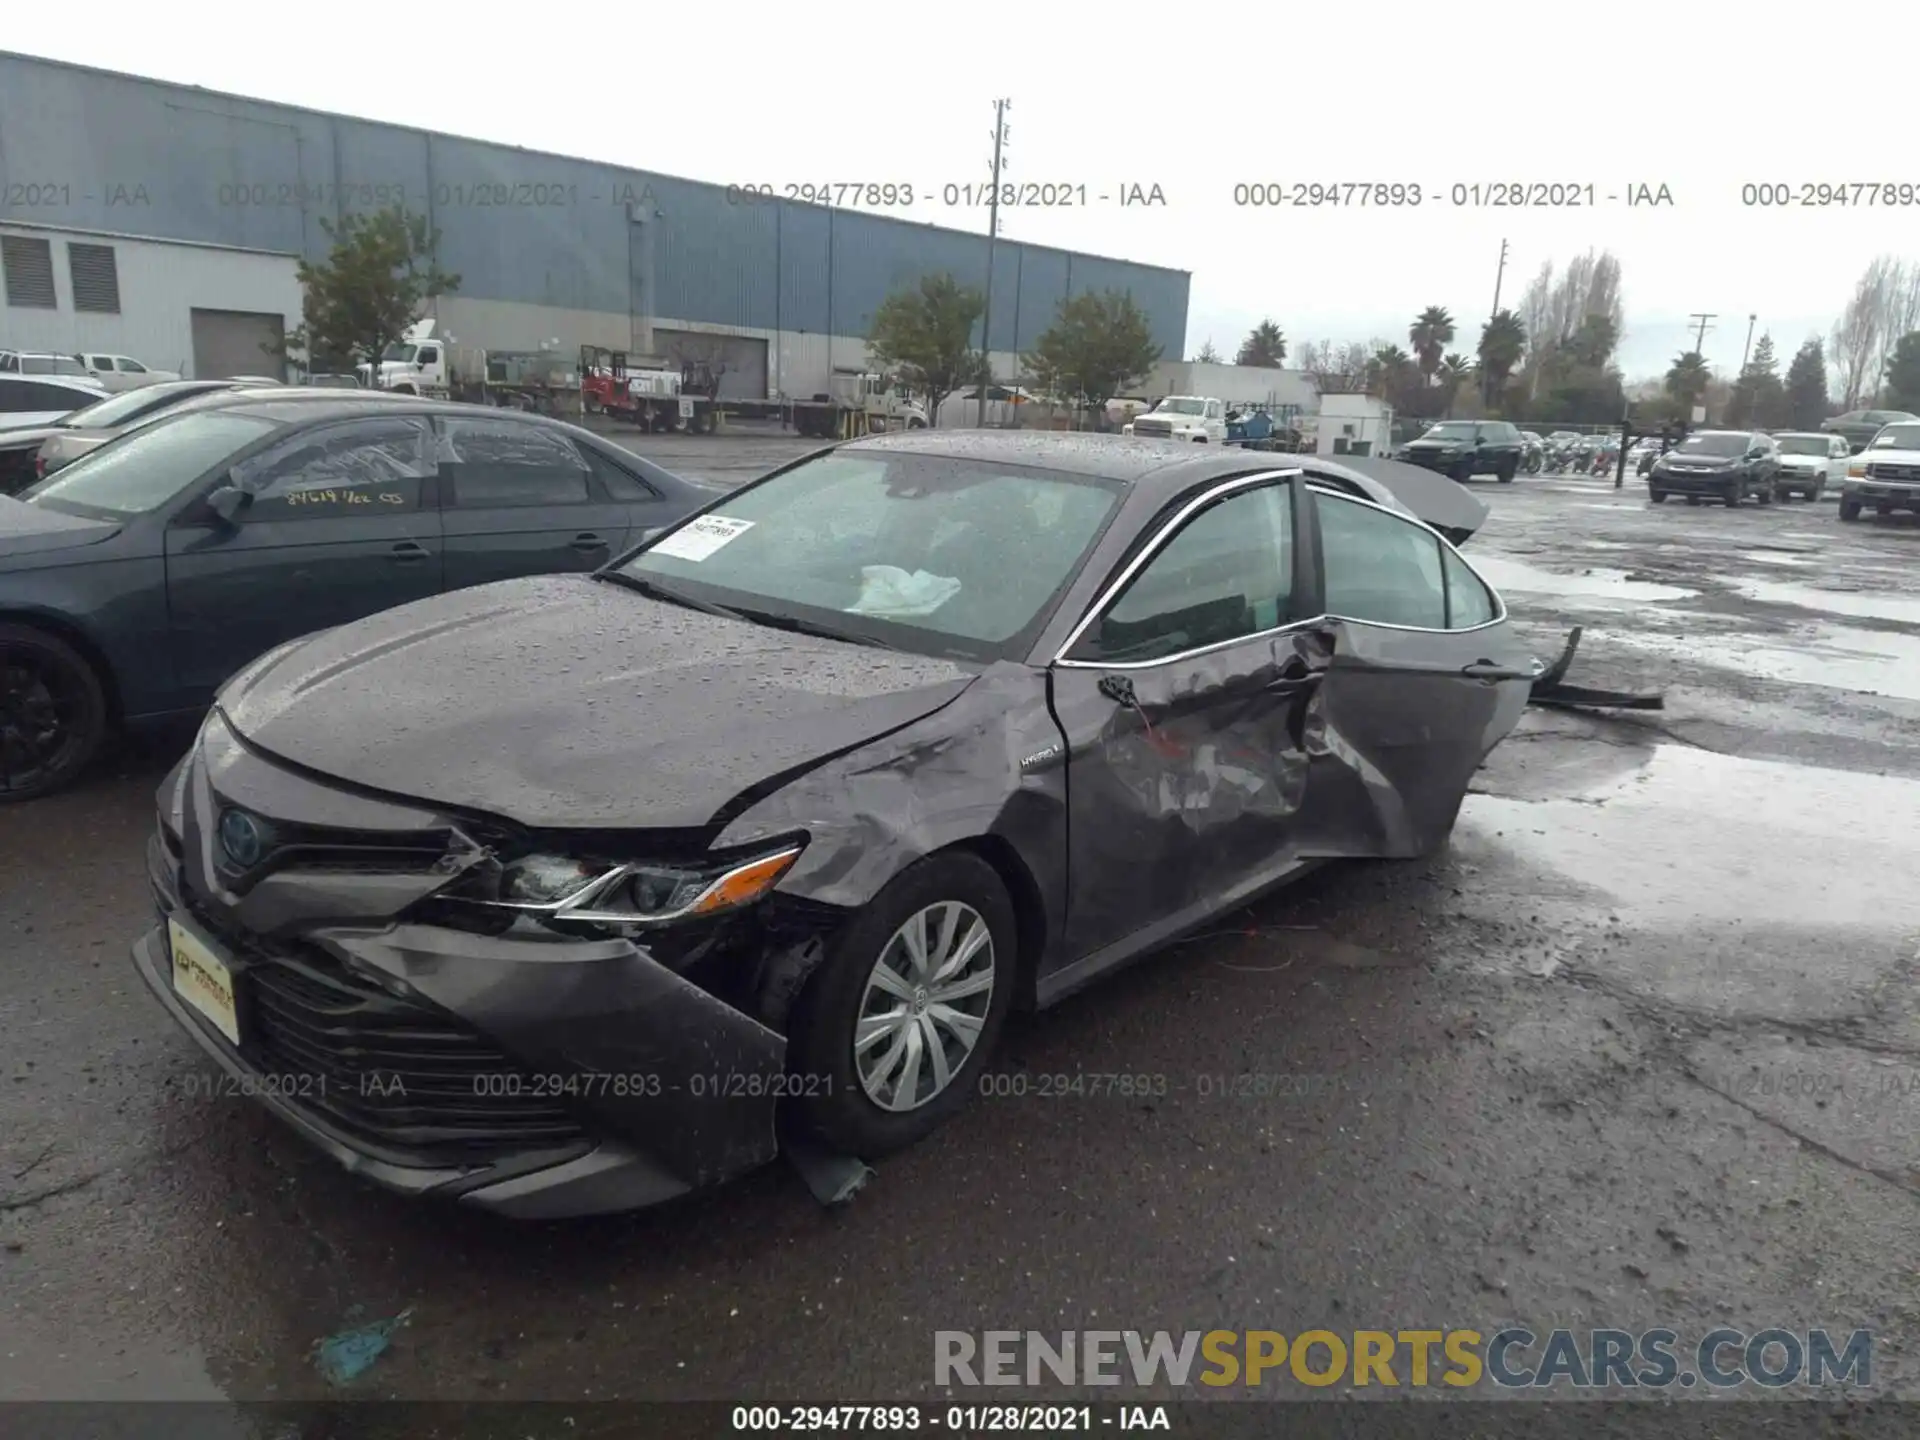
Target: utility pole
(1700,340)
(1747,349)
(1000,134)
(1499,276)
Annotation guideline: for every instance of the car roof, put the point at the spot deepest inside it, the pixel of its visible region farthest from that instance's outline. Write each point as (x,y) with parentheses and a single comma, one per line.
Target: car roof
(297,405)
(77,382)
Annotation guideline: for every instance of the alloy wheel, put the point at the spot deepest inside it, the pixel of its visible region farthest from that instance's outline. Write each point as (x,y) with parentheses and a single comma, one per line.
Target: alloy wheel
(924,1006)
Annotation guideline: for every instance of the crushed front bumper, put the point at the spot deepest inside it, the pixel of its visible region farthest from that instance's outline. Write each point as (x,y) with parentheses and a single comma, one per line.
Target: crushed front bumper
(531,1076)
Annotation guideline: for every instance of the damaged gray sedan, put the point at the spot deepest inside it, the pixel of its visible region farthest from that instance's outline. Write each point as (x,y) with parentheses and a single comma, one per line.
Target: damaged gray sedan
(576,893)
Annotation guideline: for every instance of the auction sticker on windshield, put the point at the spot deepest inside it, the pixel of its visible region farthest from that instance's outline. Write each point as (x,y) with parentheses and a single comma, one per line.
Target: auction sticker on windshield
(203,980)
(698,539)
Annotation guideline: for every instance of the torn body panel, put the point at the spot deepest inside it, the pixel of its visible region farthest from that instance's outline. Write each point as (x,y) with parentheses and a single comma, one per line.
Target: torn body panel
(988,766)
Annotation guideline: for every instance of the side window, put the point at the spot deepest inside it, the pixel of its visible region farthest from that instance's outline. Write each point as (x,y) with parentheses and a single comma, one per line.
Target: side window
(132,367)
(14,399)
(1228,574)
(1469,602)
(54,397)
(429,355)
(616,479)
(359,468)
(1379,567)
(503,463)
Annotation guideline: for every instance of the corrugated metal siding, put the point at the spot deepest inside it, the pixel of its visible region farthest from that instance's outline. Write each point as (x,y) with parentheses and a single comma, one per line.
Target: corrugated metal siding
(169,161)
(28,263)
(95,276)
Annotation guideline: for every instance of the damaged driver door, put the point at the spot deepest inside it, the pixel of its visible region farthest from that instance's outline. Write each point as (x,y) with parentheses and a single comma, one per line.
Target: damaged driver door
(1183,699)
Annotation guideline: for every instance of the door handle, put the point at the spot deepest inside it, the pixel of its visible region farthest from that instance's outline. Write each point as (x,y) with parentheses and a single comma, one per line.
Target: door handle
(408,552)
(588,541)
(1489,670)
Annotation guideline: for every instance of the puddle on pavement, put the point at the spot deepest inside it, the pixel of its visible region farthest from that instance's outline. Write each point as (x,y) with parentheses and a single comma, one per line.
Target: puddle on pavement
(1506,574)
(1815,847)
(1870,662)
(1868,606)
(39,1369)
(1775,557)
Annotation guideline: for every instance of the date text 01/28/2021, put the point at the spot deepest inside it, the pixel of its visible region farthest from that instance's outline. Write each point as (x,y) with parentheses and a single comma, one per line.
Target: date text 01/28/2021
(1462,195)
(900,194)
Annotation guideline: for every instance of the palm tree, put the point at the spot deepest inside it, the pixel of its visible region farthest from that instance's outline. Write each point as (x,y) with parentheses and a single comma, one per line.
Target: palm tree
(1264,346)
(1688,378)
(1430,334)
(1503,340)
(1455,370)
(1387,371)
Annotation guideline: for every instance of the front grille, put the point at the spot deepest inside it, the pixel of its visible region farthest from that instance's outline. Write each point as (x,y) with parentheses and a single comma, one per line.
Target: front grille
(394,1072)
(397,1075)
(1884,471)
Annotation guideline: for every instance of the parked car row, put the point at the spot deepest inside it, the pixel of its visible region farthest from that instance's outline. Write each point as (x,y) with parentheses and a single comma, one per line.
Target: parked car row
(113,372)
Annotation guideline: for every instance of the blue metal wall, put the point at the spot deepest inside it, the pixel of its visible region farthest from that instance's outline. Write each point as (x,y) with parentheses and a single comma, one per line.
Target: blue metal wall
(88,149)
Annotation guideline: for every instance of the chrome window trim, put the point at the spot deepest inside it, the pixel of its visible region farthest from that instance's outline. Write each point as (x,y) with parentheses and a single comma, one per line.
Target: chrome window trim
(1151,549)
(1159,542)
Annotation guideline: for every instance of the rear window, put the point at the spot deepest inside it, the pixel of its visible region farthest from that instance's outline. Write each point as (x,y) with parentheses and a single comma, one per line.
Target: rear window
(145,470)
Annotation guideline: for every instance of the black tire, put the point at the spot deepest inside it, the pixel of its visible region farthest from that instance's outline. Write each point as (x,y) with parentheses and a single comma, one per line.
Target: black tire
(1766,494)
(1693,499)
(820,1034)
(1736,492)
(1509,467)
(1461,474)
(52,700)
(1658,497)
(1849,510)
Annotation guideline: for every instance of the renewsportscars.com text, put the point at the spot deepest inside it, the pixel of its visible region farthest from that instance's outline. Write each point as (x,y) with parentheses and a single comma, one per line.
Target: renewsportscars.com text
(1511,1358)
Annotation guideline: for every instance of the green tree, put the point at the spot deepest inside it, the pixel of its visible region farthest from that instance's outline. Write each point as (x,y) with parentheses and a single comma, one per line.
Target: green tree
(1592,344)
(1903,373)
(1430,334)
(1098,346)
(1758,398)
(1394,376)
(1264,347)
(1687,381)
(925,335)
(1806,397)
(1503,340)
(1455,371)
(371,288)
(1208,355)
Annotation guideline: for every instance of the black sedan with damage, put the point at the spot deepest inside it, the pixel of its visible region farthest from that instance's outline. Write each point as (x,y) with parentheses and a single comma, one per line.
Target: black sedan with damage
(574,893)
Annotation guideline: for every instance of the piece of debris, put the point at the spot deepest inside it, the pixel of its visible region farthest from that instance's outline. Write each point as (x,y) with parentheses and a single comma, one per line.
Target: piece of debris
(833,1179)
(1635,1271)
(345,1357)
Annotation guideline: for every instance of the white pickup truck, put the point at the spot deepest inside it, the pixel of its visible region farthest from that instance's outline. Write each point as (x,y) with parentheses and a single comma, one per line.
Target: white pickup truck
(1197,419)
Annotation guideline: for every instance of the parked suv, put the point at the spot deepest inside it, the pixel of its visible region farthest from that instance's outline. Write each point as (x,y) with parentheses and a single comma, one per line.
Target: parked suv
(1724,465)
(1808,460)
(1885,475)
(1465,448)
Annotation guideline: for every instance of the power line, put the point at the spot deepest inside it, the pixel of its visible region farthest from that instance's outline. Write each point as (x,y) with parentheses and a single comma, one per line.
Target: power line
(1700,340)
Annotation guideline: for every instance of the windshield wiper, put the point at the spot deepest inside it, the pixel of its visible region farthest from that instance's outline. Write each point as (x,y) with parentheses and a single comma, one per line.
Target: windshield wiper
(654,590)
(775,620)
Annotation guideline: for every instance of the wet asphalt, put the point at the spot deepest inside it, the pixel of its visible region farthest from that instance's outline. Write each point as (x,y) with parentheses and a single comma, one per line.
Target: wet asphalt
(1641,1048)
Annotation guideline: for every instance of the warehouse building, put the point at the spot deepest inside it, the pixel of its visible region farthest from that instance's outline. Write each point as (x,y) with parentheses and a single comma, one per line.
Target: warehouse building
(197,207)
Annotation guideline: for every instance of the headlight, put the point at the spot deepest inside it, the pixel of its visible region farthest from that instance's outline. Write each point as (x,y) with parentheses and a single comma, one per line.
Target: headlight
(562,888)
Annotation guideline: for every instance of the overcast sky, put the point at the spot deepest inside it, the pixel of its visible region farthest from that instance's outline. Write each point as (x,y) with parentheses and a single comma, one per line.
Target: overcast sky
(1194,101)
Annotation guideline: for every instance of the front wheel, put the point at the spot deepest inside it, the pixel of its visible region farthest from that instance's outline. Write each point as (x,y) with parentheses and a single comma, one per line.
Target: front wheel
(1735,494)
(1849,510)
(1508,468)
(53,713)
(1658,497)
(889,1037)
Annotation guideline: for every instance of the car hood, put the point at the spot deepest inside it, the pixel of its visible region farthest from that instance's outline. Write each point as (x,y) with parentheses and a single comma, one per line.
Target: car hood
(1887,455)
(33,529)
(1432,498)
(1424,443)
(571,703)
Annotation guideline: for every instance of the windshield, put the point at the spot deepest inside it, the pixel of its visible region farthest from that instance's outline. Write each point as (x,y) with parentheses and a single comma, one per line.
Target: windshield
(1451,430)
(119,409)
(1721,445)
(1898,437)
(143,471)
(51,365)
(918,552)
(1805,445)
(401,352)
(1182,407)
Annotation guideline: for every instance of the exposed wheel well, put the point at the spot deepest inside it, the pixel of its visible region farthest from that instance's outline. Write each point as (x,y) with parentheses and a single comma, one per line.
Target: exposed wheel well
(88,650)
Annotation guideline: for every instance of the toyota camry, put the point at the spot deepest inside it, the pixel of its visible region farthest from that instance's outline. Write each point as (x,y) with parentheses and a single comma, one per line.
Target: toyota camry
(573,893)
